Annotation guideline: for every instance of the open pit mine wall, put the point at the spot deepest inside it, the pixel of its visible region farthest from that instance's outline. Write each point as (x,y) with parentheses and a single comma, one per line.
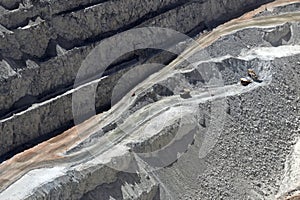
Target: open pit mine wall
(43,44)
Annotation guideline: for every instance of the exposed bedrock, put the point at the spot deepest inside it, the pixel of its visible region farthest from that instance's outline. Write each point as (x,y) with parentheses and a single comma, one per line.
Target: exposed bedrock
(43,44)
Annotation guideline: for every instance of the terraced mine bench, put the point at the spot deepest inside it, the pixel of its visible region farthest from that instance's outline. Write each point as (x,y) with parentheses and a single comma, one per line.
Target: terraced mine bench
(43,44)
(226,141)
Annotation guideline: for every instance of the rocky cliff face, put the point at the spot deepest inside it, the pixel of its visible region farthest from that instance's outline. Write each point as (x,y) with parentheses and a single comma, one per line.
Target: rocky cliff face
(187,130)
(43,44)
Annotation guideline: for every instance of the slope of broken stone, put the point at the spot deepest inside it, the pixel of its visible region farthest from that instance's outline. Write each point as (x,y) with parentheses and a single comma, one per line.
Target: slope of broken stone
(285,91)
(249,156)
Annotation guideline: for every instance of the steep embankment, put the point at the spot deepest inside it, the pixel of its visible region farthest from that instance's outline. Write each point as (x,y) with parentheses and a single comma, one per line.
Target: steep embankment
(223,141)
(43,44)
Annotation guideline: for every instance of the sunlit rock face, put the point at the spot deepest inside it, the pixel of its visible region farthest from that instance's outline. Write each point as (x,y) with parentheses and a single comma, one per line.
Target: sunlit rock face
(167,126)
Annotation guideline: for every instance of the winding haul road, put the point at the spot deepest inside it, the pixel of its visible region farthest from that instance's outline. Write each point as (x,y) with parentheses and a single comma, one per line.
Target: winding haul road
(53,152)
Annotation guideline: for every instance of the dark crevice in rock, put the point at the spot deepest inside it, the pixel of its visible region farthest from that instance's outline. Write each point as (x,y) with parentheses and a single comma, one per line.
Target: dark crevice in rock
(109,127)
(51,50)
(10,6)
(24,101)
(122,64)
(23,23)
(68,45)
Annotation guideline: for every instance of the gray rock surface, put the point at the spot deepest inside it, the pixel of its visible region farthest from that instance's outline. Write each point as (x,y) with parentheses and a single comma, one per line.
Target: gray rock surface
(43,44)
(225,141)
